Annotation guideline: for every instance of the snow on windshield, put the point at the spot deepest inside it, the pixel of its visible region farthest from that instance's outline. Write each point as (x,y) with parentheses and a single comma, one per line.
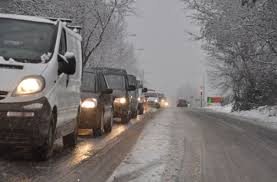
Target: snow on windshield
(25,41)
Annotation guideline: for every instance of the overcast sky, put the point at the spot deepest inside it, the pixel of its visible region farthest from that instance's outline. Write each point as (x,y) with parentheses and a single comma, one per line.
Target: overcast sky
(170,58)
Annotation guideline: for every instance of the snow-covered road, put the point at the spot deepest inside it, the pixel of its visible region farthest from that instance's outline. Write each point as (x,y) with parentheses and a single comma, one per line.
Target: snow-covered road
(175,144)
(195,145)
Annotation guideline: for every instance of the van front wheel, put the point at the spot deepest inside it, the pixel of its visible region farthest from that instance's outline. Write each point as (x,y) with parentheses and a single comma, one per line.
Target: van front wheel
(99,130)
(45,152)
(71,139)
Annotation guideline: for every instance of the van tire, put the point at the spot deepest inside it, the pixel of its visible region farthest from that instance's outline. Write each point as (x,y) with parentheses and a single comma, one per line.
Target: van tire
(71,139)
(99,130)
(43,153)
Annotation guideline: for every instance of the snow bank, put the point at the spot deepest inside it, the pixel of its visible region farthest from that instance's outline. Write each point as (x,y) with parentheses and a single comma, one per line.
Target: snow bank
(261,114)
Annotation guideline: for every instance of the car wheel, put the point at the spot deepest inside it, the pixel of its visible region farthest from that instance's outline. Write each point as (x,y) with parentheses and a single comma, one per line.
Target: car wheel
(99,130)
(141,111)
(71,139)
(135,114)
(46,151)
(125,119)
(109,125)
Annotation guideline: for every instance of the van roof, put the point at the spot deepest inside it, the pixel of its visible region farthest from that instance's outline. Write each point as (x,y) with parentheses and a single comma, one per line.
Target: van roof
(27,18)
(107,70)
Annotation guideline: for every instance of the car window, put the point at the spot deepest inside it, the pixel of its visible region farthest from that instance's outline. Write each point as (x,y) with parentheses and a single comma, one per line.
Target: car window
(63,46)
(89,82)
(116,81)
(102,83)
(132,80)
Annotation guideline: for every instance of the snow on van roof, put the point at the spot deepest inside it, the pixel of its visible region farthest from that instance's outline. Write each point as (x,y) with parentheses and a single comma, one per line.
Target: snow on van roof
(27,18)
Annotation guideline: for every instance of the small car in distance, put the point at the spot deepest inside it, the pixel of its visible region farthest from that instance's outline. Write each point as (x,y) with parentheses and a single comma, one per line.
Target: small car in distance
(96,103)
(141,97)
(164,102)
(182,103)
(153,99)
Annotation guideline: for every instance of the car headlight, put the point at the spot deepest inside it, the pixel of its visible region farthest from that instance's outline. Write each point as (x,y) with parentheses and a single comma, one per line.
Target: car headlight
(30,85)
(89,103)
(122,100)
(156,100)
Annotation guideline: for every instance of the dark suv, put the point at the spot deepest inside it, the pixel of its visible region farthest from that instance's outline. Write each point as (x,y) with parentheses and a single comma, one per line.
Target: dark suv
(182,103)
(96,103)
(117,79)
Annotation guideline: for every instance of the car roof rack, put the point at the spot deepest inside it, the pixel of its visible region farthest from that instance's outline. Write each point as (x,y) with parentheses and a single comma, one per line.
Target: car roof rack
(65,20)
(107,70)
(76,29)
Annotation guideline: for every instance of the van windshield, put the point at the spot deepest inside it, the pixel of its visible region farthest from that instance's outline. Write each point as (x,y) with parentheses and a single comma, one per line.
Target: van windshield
(116,82)
(26,41)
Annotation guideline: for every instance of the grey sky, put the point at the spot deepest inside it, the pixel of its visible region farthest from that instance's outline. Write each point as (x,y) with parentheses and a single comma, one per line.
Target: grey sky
(170,58)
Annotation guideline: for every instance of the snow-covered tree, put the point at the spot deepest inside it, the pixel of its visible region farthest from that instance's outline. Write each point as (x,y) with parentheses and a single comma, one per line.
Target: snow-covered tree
(102,24)
(241,43)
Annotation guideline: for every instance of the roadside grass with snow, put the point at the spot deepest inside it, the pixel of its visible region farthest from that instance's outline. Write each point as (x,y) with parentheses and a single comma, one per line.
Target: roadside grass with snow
(265,115)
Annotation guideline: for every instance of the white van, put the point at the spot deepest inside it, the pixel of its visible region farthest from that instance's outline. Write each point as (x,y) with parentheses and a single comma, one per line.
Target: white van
(40,80)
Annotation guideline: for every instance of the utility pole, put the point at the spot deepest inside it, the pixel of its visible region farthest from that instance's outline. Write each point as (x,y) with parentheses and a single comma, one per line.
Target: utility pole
(201,95)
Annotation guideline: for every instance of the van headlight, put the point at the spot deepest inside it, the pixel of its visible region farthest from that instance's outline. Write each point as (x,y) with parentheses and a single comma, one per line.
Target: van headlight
(30,85)
(122,100)
(89,103)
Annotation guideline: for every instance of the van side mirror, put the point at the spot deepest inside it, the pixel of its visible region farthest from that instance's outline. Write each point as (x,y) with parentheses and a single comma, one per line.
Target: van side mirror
(132,88)
(67,63)
(144,90)
(107,91)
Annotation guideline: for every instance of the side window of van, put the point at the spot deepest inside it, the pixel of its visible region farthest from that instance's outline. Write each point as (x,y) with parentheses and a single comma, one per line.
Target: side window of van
(63,45)
(103,84)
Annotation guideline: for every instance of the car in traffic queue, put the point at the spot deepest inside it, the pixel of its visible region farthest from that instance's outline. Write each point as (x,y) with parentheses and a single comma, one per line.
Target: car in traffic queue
(163,100)
(182,103)
(132,81)
(141,97)
(96,103)
(40,68)
(153,99)
(117,79)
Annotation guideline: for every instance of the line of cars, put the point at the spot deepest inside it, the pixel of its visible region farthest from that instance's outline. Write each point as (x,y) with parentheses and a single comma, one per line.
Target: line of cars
(107,93)
(156,100)
(44,92)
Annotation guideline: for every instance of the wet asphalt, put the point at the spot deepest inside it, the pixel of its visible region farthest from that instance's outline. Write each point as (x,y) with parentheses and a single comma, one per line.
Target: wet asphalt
(83,163)
(204,147)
